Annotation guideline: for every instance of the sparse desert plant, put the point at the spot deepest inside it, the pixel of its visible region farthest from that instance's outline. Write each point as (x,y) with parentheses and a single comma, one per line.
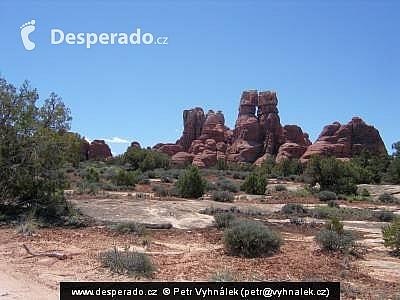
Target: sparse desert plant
(223,275)
(251,239)
(293,209)
(387,198)
(297,221)
(327,195)
(333,203)
(127,262)
(391,236)
(224,219)
(226,185)
(334,239)
(28,227)
(365,193)
(160,191)
(280,188)
(384,215)
(222,196)
(255,183)
(92,175)
(190,184)
(131,227)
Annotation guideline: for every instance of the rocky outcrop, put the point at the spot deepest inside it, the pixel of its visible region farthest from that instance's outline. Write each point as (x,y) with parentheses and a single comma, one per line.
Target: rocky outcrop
(270,123)
(346,141)
(258,135)
(193,121)
(169,149)
(295,143)
(212,143)
(99,150)
(181,158)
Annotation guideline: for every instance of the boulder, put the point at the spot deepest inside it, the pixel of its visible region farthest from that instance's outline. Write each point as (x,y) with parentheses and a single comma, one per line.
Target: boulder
(181,158)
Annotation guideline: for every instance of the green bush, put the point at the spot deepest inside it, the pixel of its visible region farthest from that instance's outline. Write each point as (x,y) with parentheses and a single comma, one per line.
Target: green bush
(327,195)
(190,184)
(333,175)
(145,160)
(160,191)
(333,238)
(222,196)
(251,239)
(255,184)
(131,227)
(126,178)
(92,175)
(224,219)
(391,236)
(387,198)
(293,209)
(127,262)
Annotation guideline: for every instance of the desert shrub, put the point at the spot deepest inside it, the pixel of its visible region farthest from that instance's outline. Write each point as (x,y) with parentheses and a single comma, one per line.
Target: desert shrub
(384,215)
(221,164)
(145,159)
(251,239)
(131,227)
(28,227)
(240,175)
(287,167)
(190,184)
(226,185)
(92,175)
(327,195)
(365,193)
(333,238)
(166,179)
(332,175)
(280,188)
(160,191)
(222,196)
(127,262)
(223,276)
(224,219)
(297,221)
(255,183)
(293,209)
(126,178)
(391,236)
(333,203)
(86,187)
(387,198)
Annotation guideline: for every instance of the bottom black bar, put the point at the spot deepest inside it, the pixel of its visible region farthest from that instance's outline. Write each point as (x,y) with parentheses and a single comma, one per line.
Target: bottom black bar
(199,290)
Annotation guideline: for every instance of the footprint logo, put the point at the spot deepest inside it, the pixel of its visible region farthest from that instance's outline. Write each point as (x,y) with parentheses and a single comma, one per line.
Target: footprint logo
(26,29)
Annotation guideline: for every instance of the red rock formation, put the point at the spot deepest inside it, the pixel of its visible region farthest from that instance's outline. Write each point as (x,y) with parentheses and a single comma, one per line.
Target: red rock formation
(181,158)
(99,150)
(270,123)
(346,141)
(169,149)
(193,121)
(295,143)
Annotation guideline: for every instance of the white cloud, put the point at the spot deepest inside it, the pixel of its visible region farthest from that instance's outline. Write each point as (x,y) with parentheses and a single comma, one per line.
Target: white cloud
(116,140)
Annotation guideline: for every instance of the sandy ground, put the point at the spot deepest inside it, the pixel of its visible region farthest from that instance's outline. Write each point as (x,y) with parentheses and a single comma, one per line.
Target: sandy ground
(191,251)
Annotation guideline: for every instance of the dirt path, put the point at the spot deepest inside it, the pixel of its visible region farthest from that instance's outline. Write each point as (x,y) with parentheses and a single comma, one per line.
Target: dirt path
(17,286)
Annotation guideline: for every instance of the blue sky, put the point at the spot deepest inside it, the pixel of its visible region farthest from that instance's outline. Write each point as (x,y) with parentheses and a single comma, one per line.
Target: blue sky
(326,61)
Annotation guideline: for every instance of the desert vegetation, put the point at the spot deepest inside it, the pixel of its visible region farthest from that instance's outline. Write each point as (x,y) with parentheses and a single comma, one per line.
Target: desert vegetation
(139,214)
